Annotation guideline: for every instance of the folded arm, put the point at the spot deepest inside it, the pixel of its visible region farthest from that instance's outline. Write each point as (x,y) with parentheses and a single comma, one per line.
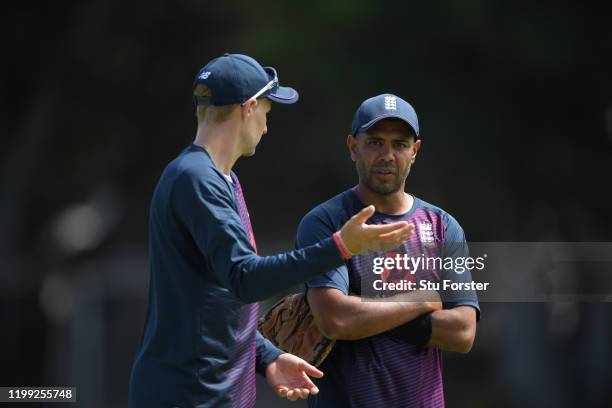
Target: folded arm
(453,329)
(345,317)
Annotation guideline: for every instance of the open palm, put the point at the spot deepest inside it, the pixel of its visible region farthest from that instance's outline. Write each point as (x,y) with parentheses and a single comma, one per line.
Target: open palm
(288,377)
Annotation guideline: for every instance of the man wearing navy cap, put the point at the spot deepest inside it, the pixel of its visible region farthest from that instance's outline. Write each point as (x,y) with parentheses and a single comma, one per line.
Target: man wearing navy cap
(200,346)
(388,354)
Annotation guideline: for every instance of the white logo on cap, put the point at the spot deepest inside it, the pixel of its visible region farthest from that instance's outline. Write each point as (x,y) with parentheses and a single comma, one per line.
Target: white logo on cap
(390,103)
(204,75)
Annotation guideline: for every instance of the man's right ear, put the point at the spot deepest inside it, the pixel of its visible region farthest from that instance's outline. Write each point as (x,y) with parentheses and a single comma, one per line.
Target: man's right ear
(351,143)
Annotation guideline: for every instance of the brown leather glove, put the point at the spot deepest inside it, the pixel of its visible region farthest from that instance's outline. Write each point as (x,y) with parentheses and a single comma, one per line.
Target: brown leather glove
(290,326)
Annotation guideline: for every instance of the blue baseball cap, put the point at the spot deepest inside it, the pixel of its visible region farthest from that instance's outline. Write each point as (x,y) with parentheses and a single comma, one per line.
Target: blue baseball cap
(236,78)
(381,107)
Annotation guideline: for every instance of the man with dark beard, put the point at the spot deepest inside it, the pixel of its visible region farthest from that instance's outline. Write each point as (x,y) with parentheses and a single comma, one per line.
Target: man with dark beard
(387,353)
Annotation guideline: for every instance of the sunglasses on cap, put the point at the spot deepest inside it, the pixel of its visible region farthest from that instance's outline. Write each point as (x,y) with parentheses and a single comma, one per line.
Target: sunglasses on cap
(270,85)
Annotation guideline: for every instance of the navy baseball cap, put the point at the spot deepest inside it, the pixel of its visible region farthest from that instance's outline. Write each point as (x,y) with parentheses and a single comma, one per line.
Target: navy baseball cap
(381,107)
(236,78)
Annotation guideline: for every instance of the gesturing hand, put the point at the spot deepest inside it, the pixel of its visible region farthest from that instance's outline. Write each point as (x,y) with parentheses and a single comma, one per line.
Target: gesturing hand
(361,238)
(288,377)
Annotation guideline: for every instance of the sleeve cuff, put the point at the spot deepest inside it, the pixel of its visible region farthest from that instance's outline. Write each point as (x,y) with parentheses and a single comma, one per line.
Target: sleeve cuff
(344,252)
(268,354)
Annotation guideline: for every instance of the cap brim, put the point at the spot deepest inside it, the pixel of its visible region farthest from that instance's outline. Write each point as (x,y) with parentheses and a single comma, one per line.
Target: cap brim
(283,94)
(374,121)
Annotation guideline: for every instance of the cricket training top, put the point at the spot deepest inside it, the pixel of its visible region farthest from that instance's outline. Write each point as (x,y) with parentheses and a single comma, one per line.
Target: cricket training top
(200,346)
(381,371)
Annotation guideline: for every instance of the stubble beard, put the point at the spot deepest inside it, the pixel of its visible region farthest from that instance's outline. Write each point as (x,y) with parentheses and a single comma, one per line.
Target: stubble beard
(391,187)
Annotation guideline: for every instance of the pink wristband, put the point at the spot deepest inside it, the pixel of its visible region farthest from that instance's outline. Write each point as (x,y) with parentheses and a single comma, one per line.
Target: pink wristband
(346,254)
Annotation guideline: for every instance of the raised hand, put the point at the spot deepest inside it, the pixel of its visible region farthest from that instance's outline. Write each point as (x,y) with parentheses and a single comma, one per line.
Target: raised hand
(361,238)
